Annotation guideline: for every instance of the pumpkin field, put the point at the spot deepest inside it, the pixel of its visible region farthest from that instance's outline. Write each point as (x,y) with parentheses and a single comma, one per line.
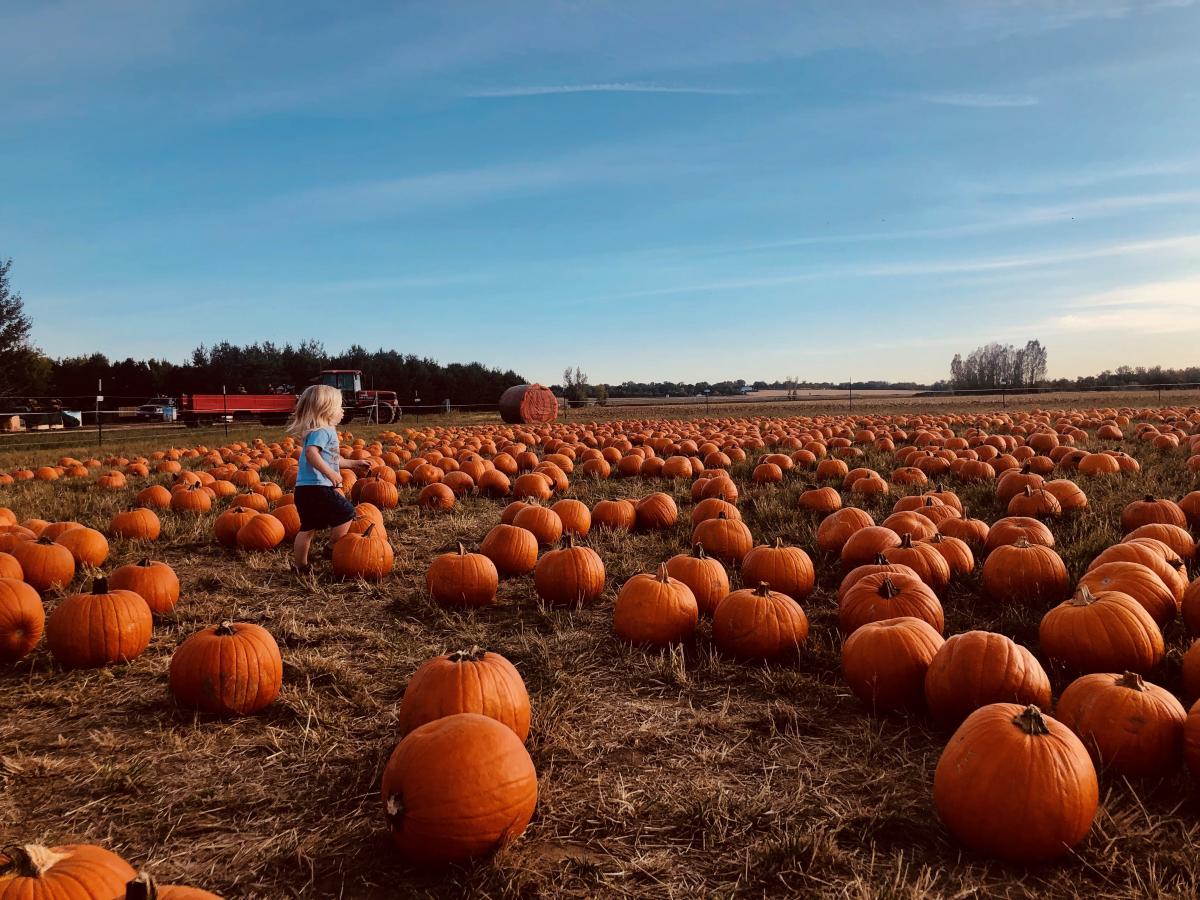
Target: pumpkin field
(914,650)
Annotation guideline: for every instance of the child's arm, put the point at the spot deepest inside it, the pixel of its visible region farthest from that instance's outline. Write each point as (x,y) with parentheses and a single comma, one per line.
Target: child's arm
(313,454)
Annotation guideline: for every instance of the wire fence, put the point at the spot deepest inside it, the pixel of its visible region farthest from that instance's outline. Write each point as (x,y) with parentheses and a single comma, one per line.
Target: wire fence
(75,421)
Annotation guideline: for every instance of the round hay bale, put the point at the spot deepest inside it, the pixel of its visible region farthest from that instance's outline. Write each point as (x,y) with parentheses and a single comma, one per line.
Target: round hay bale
(528,403)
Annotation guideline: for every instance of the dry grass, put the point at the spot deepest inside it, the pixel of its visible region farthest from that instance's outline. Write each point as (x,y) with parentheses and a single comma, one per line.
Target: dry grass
(663,774)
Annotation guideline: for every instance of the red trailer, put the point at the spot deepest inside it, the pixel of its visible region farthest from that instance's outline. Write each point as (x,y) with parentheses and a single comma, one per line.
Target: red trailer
(273,409)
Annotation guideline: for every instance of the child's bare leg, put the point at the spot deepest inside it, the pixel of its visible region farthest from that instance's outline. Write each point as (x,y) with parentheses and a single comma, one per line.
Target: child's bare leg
(338,533)
(300,548)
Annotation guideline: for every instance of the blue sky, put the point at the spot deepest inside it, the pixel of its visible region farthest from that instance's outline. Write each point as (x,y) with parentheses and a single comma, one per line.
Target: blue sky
(675,190)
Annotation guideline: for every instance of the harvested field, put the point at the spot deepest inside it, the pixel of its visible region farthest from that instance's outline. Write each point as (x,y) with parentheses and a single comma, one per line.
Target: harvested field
(662,773)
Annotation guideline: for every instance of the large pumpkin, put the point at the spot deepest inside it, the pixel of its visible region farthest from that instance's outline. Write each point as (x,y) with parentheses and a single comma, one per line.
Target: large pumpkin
(835,529)
(22,619)
(1025,573)
(924,559)
(99,628)
(1016,784)
(976,668)
(137,524)
(729,540)
(1130,727)
(456,788)
(1138,582)
(885,662)
(368,555)
(886,595)
(46,565)
(231,669)
(655,610)
(69,872)
(466,681)
(513,550)
(759,624)
(572,575)
(1101,632)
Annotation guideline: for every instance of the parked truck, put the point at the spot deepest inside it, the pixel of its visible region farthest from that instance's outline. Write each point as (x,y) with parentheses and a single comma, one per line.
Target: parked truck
(380,407)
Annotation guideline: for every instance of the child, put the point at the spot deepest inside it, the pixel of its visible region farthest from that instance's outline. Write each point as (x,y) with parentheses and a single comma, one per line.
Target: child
(318,501)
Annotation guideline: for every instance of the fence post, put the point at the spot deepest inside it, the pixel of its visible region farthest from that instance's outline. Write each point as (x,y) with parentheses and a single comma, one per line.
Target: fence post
(225,411)
(850,383)
(99,421)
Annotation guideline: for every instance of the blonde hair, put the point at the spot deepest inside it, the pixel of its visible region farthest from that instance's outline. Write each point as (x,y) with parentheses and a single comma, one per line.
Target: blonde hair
(318,407)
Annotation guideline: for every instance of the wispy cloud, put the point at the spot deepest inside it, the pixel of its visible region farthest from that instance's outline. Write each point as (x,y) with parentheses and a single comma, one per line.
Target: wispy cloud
(980,101)
(611,87)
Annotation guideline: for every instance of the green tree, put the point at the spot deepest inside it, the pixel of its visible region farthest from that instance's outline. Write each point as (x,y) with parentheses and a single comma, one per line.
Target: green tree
(18,360)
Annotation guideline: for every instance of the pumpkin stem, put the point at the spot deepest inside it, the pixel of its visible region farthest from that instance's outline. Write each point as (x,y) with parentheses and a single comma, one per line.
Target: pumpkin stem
(1022,542)
(662,573)
(763,589)
(568,541)
(225,629)
(31,860)
(1149,498)
(698,551)
(143,887)
(1028,491)
(880,559)
(778,543)
(475,654)
(144,562)
(906,541)
(1083,596)
(462,551)
(1031,721)
(1133,681)
(937,538)
(371,528)
(44,540)
(721,514)
(888,588)
(100,584)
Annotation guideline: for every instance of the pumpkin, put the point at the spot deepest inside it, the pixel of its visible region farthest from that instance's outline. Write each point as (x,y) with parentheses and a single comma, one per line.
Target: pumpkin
(69,872)
(143,887)
(289,518)
(860,572)
(957,554)
(574,515)
(865,544)
(377,491)
(10,568)
(885,662)
(656,512)
(713,507)
(231,669)
(1034,503)
(1191,739)
(788,570)
(922,558)
(46,565)
(1007,531)
(1149,511)
(367,555)
(230,522)
(137,524)
(532,485)
(436,496)
(972,532)
(193,499)
(1101,632)
(1191,672)
(542,522)
(1025,573)
(616,515)
(888,595)
(513,550)
(1069,495)
(99,628)
(759,624)
(87,545)
(252,500)
(1154,555)
(911,522)
(458,787)
(154,582)
(262,532)
(655,610)
(466,681)
(705,576)
(572,575)
(976,668)
(823,500)
(1130,727)
(462,579)
(22,620)
(729,540)
(1139,582)
(1015,784)
(836,528)
(1176,538)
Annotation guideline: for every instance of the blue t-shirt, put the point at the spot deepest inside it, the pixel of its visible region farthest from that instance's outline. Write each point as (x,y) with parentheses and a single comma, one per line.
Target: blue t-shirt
(327,440)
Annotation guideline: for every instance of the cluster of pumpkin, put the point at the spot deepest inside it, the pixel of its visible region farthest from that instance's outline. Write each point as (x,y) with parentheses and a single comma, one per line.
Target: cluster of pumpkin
(82,871)
(460,783)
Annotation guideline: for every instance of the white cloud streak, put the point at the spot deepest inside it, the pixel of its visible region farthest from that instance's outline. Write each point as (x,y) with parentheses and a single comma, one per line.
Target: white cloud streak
(614,87)
(980,101)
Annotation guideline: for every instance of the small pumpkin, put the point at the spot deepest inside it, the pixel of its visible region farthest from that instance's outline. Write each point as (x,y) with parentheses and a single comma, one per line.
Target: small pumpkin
(616,515)
(1025,573)
(1138,582)
(466,681)
(924,559)
(759,624)
(788,570)
(137,524)
(1149,511)
(231,669)
(230,522)
(729,540)
(572,575)
(655,610)
(22,620)
(885,662)
(462,579)
(656,512)
(1103,631)
(367,555)
(887,595)
(705,576)
(70,872)
(154,582)
(837,527)
(513,550)
(87,545)
(542,522)
(262,532)
(976,668)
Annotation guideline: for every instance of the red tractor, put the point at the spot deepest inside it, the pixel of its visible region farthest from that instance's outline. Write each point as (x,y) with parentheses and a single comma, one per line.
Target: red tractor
(274,409)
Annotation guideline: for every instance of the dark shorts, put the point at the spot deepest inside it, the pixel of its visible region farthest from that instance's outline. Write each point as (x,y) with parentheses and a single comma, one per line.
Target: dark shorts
(322,507)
